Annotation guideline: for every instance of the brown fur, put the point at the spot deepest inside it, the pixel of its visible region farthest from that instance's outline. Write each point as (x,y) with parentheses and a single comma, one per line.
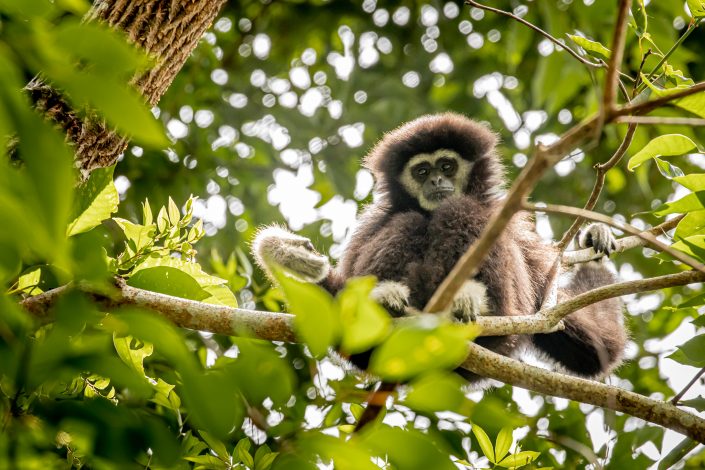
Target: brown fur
(398,240)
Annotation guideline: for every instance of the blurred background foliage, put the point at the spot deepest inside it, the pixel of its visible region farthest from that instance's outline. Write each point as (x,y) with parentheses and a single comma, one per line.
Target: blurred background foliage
(268,122)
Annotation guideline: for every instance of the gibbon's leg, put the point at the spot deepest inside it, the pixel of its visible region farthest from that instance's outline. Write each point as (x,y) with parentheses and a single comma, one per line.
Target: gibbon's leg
(276,246)
(593,341)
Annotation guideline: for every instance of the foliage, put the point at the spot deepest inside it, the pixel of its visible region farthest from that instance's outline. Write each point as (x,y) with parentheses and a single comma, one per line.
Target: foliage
(252,111)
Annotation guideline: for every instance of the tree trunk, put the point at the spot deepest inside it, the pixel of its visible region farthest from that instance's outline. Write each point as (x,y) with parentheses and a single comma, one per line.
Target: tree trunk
(167,30)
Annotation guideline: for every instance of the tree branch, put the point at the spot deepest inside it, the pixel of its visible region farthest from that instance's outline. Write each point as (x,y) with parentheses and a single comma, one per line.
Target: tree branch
(651,240)
(280,327)
(647,106)
(489,364)
(609,99)
(661,120)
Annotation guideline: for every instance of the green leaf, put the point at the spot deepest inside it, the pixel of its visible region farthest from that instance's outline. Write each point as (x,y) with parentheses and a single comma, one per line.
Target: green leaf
(426,344)
(146,213)
(119,104)
(407,449)
(693,245)
(132,356)
(667,169)
(138,236)
(691,353)
(105,49)
(690,203)
(503,443)
(662,146)
(694,103)
(519,459)
(169,281)
(220,295)
(216,445)
(242,451)
(593,48)
(192,269)
(692,181)
(95,201)
(485,443)
(692,223)
(317,320)
(366,323)
(210,461)
(697,8)
(438,391)
(173,211)
(697,403)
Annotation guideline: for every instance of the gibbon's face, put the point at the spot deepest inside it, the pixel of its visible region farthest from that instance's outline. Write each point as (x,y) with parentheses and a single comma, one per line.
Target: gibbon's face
(433,177)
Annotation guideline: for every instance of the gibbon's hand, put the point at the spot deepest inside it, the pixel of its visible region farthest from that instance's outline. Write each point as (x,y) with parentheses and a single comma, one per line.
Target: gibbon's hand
(295,254)
(469,302)
(599,237)
(392,295)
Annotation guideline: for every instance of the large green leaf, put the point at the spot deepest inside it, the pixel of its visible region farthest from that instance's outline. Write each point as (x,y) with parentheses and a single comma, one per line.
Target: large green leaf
(693,181)
(366,323)
(169,281)
(690,203)
(407,448)
(95,201)
(697,8)
(317,320)
(485,443)
(662,146)
(691,353)
(438,391)
(421,346)
(694,103)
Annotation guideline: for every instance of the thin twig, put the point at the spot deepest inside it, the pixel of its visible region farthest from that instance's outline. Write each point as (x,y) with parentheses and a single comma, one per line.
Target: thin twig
(675,400)
(602,169)
(691,27)
(661,120)
(594,216)
(548,36)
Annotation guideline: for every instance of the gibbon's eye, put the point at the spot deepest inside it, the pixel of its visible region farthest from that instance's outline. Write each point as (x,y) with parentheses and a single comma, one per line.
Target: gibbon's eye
(447,166)
(421,171)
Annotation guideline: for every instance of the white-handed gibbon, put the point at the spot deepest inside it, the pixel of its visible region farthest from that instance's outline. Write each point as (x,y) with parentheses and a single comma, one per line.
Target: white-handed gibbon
(438,179)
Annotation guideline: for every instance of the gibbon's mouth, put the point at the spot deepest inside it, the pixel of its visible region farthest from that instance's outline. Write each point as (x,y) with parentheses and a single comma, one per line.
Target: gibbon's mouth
(439,194)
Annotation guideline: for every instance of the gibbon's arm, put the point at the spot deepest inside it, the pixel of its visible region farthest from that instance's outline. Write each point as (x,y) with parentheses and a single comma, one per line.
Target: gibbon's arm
(593,340)
(295,255)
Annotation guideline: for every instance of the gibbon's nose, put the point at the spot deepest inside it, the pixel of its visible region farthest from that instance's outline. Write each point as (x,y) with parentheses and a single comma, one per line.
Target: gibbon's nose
(436,180)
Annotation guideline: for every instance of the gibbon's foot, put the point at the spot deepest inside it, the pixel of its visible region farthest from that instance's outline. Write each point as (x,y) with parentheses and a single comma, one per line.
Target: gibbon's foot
(392,295)
(599,237)
(293,253)
(469,302)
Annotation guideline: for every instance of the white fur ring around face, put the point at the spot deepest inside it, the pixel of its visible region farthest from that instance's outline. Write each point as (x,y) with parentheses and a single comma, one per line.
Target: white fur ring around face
(295,254)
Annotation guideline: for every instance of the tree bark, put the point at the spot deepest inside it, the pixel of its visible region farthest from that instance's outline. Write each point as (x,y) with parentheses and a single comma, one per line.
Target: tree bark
(168,30)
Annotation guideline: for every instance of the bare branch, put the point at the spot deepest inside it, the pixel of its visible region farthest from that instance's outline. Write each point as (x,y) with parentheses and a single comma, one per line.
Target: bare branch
(623,244)
(599,184)
(489,364)
(649,238)
(609,99)
(661,120)
(548,36)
